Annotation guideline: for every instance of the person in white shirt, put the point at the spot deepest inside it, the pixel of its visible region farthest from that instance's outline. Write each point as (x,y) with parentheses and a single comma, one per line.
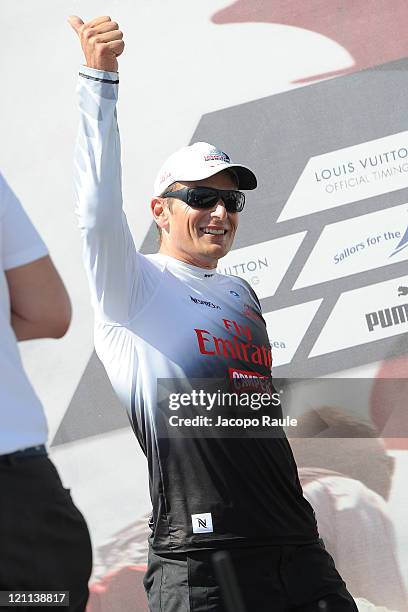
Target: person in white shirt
(44,540)
(172,316)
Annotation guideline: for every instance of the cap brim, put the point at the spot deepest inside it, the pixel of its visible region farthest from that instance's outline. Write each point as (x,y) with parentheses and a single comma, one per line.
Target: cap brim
(246,178)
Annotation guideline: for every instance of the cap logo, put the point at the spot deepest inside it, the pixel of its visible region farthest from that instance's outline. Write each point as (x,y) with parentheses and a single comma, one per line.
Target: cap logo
(217,156)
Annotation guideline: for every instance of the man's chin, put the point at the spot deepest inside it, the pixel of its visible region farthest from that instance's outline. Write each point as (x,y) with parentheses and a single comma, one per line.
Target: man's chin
(217,250)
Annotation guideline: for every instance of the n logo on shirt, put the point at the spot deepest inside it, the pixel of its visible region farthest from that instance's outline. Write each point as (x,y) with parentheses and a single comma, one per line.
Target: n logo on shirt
(202,523)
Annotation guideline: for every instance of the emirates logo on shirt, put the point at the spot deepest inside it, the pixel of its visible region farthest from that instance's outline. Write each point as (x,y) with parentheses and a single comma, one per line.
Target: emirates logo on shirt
(236,344)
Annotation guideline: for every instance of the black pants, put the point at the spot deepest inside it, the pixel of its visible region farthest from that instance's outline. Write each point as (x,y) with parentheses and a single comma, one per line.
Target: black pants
(271,578)
(44,540)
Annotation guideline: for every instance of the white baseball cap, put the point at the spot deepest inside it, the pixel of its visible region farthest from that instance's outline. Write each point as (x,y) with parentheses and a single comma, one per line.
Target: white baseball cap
(200,161)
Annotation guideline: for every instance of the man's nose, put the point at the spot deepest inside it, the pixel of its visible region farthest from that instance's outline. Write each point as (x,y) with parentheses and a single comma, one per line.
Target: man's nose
(219,210)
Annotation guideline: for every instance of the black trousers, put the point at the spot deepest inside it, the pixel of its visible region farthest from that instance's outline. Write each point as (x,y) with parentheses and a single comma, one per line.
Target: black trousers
(271,578)
(44,540)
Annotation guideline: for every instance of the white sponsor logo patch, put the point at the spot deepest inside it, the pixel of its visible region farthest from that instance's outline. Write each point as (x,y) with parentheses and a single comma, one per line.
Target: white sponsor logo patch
(359,316)
(357,245)
(347,175)
(202,523)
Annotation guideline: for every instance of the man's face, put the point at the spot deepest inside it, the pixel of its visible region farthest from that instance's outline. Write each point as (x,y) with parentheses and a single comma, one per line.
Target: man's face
(185,238)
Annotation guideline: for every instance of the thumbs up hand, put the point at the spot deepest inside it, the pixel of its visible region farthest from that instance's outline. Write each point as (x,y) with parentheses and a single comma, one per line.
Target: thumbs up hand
(101,41)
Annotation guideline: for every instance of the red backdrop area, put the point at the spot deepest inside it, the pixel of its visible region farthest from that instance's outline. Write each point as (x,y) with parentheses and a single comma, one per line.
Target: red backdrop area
(372,32)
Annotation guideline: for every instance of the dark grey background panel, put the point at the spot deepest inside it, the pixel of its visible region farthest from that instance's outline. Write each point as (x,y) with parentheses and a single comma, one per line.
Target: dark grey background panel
(94,408)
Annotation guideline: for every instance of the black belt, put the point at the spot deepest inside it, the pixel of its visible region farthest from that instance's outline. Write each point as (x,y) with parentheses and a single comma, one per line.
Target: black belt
(32,451)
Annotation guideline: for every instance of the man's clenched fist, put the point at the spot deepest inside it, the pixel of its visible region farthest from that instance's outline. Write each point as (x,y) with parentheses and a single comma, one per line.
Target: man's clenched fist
(101,42)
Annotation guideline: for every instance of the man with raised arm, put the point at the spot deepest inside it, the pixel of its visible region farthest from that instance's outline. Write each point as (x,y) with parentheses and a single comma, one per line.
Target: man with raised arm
(44,541)
(172,316)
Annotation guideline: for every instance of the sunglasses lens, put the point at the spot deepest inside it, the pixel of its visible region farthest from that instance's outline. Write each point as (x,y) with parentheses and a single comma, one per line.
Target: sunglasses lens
(234,201)
(205,197)
(202,198)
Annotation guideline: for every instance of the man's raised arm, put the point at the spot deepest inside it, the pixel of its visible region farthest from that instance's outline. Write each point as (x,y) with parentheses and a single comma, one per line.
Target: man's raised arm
(109,252)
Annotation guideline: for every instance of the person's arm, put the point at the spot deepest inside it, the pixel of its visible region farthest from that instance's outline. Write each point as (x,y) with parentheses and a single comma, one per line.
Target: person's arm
(111,261)
(40,306)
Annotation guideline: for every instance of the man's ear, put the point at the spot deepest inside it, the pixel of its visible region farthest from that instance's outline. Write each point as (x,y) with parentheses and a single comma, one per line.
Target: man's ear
(160,211)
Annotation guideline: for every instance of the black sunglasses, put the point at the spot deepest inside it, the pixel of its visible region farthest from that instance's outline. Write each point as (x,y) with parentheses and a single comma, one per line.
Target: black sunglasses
(207,197)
